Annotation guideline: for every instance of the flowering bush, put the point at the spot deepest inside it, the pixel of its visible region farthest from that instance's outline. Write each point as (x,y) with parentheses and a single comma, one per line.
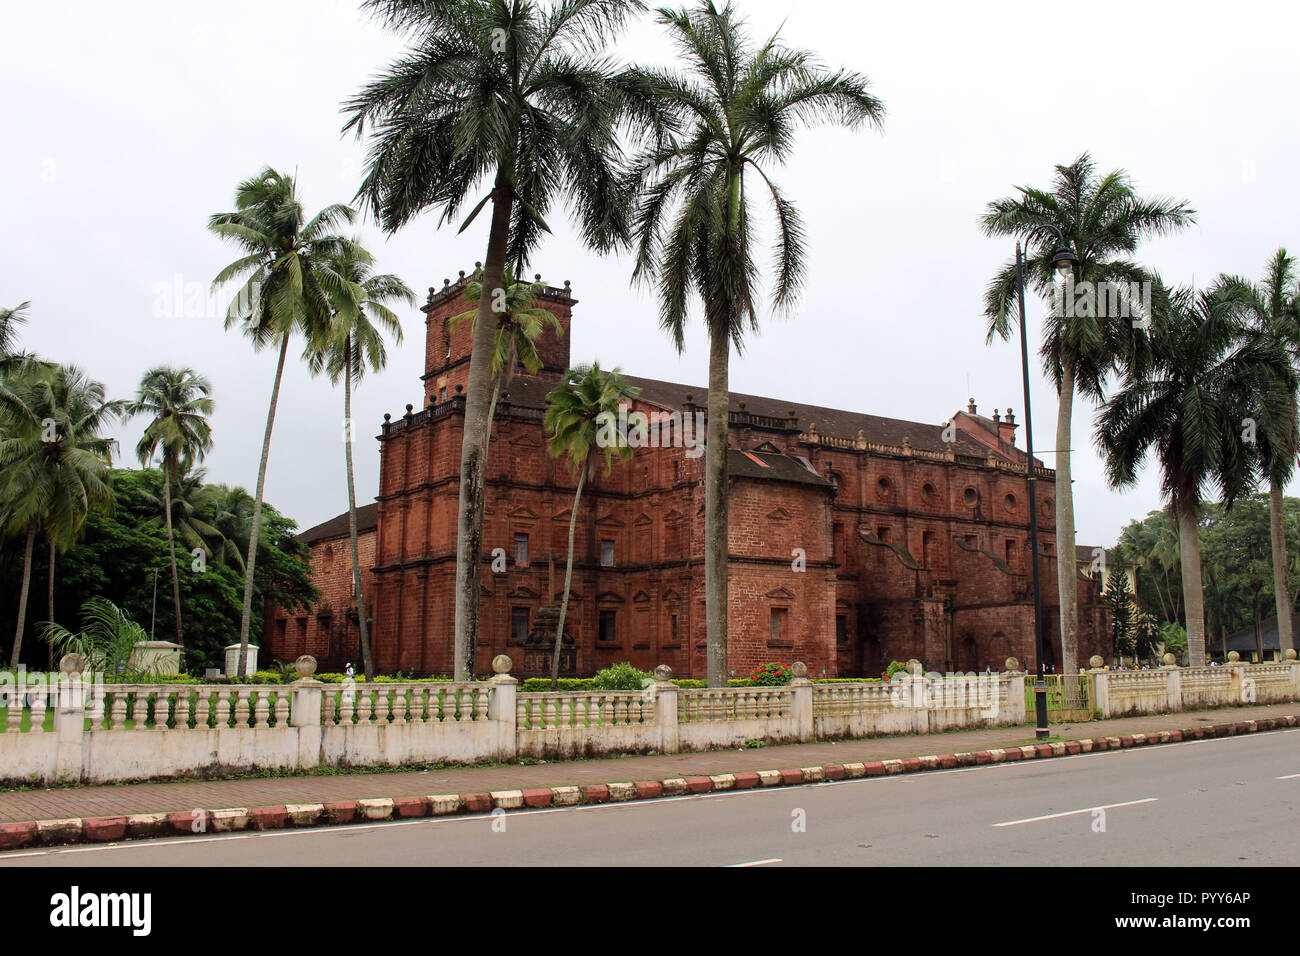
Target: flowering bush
(894,668)
(770,675)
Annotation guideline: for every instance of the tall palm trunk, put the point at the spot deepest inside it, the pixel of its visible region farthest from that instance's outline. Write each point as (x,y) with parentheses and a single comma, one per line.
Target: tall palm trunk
(255,530)
(49,584)
(22,593)
(568,580)
(474,448)
(1189,546)
(1067,575)
(1281,572)
(358,593)
(171,547)
(715,510)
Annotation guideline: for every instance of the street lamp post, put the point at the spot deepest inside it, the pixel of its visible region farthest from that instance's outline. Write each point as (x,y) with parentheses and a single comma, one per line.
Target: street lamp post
(1063,260)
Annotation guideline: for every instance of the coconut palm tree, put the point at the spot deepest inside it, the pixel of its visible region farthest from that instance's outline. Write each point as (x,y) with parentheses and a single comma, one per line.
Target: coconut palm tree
(283,293)
(194,507)
(54,463)
(514,94)
(10,319)
(1184,401)
(577,417)
(1102,220)
(1272,309)
(741,105)
(519,325)
(177,402)
(354,344)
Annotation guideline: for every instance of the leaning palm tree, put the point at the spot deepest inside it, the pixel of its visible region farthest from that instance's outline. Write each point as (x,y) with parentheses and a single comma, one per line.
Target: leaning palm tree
(520,324)
(741,105)
(177,402)
(578,416)
(1272,309)
(354,344)
(511,93)
(55,463)
(1184,402)
(283,294)
(1102,220)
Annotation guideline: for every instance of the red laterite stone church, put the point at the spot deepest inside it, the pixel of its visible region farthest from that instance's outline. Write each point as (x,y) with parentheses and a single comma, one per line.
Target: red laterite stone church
(855,540)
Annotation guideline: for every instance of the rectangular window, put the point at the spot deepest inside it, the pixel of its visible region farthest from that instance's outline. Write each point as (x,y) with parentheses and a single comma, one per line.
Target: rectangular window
(519,623)
(608,620)
(837,544)
(883,533)
(672,629)
(606,553)
(521,550)
(779,624)
(442,394)
(841,629)
(1011,552)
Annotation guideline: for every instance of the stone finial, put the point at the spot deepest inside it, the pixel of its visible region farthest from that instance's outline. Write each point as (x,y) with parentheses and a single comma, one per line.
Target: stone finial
(970,406)
(1011,417)
(462,273)
(1170,660)
(663,673)
(1096,662)
(690,396)
(798,670)
(1289,654)
(387,417)
(72,664)
(742,406)
(914,667)
(305,665)
(1233,657)
(1011,664)
(459,389)
(997,416)
(501,664)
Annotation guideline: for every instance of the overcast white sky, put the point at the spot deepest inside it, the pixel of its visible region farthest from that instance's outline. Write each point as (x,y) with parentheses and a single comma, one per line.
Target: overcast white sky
(127,124)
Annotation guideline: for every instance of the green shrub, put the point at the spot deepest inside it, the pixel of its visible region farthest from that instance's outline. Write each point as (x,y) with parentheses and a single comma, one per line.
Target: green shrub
(774,674)
(894,668)
(621,677)
(265,677)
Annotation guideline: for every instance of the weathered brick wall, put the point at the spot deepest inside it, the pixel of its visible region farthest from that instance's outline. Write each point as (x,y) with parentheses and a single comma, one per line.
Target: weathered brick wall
(330,632)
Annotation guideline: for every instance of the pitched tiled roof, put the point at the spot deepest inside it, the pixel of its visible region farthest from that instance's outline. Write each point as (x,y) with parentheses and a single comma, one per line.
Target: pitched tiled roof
(770,467)
(337,527)
(837,423)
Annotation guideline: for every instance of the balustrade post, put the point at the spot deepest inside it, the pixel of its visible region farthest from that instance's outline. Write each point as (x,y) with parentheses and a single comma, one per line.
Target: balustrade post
(305,713)
(1101,699)
(801,709)
(70,719)
(1016,709)
(1175,685)
(665,704)
(501,708)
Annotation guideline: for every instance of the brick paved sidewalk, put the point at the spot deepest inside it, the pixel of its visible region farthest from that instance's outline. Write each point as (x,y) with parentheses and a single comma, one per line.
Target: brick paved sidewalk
(176,796)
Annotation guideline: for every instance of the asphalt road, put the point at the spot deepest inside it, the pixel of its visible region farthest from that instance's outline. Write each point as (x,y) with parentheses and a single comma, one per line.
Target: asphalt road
(1222,802)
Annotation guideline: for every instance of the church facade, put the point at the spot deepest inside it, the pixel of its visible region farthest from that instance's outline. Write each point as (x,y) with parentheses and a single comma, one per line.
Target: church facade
(854,539)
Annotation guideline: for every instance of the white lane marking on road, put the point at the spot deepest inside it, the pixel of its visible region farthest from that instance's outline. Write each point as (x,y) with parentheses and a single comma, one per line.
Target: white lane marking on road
(732,866)
(1070,813)
(1290,776)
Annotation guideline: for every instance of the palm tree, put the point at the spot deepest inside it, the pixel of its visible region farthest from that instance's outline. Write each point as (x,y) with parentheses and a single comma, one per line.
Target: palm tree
(519,325)
(1272,309)
(194,507)
(1184,401)
(741,106)
(511,92)
(356,343)
(10,319)
(576,416)
(177,402)
(1102,220)
(283,293)
(54,463)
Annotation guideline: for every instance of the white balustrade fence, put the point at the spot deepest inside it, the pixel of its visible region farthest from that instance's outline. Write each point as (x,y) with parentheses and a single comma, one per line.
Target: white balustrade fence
(78,731)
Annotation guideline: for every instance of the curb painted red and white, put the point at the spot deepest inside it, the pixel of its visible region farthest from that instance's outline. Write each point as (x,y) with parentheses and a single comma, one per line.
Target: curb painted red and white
(144,826)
